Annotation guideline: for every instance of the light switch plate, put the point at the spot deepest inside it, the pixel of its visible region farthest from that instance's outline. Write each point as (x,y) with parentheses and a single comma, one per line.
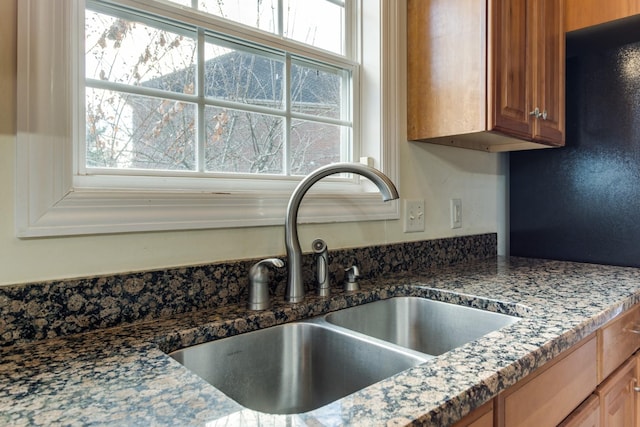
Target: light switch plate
(413,216)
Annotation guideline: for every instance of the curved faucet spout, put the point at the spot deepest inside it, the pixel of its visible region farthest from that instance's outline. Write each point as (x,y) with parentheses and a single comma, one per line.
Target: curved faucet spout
(295,287)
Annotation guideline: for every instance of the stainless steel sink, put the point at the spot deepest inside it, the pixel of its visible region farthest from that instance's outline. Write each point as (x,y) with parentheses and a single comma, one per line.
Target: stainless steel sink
(298,367)
(294,367)
(424,325)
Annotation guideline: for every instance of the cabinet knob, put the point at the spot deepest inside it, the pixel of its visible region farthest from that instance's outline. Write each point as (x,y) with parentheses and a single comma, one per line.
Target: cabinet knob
(538,114)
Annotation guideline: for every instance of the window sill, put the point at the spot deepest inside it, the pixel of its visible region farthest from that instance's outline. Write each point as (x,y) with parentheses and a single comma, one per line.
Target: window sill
(100,212)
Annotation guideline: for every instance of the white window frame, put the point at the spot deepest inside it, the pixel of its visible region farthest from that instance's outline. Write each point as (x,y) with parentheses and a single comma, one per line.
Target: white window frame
(52,200)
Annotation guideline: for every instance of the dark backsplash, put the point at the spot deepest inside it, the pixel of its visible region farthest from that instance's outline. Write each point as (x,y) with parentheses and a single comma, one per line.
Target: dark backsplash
(582,202)
(46,310)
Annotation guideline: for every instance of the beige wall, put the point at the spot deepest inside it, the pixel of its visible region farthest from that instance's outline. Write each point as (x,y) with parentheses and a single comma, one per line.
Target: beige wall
(433,173)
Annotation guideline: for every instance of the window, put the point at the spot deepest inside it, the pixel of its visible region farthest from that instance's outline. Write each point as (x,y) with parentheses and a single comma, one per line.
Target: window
(191,114)
(170,96)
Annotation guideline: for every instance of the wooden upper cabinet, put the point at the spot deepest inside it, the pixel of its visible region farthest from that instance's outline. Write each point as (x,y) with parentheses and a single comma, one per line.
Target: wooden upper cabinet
(514,65)
(581,14)
(446,67)
(477,68)
(549,79)
(529,69)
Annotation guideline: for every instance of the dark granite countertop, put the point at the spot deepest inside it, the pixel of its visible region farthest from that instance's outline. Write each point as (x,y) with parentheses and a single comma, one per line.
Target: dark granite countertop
(122,375)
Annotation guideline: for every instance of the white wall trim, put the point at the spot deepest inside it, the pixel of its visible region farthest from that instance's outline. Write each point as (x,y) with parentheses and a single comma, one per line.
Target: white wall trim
(48,203)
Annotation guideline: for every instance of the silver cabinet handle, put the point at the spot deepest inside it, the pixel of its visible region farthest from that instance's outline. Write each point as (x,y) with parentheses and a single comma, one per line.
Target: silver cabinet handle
(539,115)
(633,328)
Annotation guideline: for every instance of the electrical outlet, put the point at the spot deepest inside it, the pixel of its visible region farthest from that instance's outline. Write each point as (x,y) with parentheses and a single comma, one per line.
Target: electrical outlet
(456,213)
(413,216)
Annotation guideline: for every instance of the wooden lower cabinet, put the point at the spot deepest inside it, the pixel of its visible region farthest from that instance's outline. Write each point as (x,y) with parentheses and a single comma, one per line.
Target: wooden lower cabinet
(549,395)
(617,341)
(614,402)
(545,396)
(480,417)
(618,396)
(594,384)
(586,415)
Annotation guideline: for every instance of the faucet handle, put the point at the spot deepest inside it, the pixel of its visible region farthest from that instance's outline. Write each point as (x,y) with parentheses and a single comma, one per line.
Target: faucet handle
(259,283)
(351,275)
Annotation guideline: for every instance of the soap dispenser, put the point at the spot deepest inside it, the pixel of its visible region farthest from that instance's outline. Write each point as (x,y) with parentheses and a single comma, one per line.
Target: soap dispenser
(259,283)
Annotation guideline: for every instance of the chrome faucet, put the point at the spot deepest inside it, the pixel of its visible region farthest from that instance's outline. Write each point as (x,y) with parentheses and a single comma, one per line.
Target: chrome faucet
(295,288)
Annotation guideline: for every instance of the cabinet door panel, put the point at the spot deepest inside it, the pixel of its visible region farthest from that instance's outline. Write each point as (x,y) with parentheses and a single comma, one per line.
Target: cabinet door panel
(586,415)
(617,397)
(446,68)
(550,395)
(548,80)
(480,417)
(617,341)
(512,51)
(581,14)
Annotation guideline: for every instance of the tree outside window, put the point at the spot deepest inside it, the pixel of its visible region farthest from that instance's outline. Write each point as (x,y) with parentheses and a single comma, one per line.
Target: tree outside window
(166,97)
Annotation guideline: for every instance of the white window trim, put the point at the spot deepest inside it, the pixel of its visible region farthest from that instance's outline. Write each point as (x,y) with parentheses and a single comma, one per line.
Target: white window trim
(49,203)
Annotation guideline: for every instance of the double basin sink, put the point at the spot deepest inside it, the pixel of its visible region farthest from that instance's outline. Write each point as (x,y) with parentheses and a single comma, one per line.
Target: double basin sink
(297,367)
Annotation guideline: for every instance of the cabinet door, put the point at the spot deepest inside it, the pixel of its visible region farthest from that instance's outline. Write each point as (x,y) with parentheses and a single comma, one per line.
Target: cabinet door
(581,14)
(528,65)
(548,74)
(446,68)
(548,396)
(617,341)
(617,397)
(585,415)
(480,417)
(512,53)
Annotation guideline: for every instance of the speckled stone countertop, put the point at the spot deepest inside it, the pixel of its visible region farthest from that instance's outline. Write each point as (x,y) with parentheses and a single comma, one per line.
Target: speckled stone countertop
(122,375)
